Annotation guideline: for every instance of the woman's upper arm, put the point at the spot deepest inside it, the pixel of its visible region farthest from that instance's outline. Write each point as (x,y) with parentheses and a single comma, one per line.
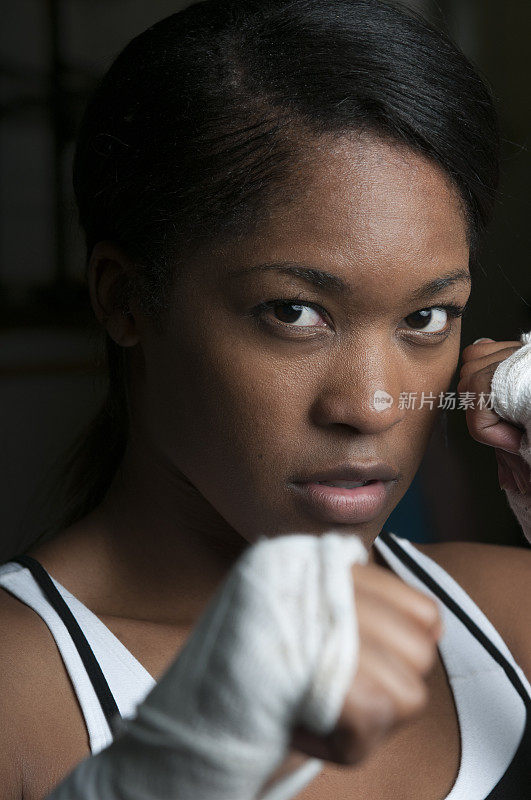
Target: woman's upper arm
(43,734)
(10,772)
(12,699)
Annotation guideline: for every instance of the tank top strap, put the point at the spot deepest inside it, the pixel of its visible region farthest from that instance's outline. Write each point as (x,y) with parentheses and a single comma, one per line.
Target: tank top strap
(508,782)
(93,669)
(478,626)
(31,584)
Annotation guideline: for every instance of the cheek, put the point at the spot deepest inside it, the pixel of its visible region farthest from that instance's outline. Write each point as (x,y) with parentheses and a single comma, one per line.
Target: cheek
(220,408)
(432,383)
(227,405)
(232,424)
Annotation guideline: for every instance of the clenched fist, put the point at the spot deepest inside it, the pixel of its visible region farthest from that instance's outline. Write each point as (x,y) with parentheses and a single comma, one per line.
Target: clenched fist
(398,632)
(479,362)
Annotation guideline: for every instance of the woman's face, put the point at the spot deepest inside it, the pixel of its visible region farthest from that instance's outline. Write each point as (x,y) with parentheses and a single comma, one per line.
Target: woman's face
(248,400)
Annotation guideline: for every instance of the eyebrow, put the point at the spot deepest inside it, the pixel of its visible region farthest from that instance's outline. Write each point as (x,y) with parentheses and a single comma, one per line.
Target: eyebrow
(333,283)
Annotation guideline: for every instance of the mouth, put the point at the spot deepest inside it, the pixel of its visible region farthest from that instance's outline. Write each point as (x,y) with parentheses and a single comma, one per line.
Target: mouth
(343,501)
(346,494)
(345,484)
(355,473)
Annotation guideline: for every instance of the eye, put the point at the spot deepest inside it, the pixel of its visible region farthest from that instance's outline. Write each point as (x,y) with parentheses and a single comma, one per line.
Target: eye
(291,313)
(434,320)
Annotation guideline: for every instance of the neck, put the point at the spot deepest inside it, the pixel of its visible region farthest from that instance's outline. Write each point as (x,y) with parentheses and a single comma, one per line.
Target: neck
(154,548)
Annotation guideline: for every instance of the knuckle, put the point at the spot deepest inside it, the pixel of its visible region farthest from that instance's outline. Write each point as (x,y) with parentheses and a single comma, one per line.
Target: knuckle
(417,697)
(465,370)
(475,430)
(366,718)
(426,655)
(431,609)
(471,351)
(474,379)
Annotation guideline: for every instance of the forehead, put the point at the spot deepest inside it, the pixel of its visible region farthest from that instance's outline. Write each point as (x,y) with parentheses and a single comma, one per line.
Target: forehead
(376,214)
(372,200)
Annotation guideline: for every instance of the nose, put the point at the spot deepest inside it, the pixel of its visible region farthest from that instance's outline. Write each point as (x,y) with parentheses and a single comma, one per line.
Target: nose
(362,390)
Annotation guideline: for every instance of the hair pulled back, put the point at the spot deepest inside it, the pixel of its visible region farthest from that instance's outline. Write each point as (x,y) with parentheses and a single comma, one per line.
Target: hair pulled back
(201,118)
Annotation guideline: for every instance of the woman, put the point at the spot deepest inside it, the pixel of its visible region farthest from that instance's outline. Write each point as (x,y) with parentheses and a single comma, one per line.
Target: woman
(283,204)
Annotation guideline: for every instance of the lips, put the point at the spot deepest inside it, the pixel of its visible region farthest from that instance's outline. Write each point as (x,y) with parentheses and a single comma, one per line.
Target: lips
(336,505)
(334,494)
(354,473)
(344,484)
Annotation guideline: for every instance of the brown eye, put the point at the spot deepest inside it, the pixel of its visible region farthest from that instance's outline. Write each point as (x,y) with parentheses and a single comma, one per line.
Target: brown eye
(428,320)
(293,314)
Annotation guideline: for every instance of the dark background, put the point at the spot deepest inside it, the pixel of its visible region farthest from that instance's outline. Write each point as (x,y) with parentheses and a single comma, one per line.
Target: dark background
(52,52)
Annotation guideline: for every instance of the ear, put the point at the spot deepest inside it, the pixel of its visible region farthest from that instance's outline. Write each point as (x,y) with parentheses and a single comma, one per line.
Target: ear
(109,274)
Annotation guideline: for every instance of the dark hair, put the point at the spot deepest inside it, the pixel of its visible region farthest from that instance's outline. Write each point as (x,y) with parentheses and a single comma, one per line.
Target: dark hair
(200,121)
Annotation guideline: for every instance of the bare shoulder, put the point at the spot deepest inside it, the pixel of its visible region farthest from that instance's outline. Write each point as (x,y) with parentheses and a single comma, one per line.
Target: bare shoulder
(498,579)
(43,732)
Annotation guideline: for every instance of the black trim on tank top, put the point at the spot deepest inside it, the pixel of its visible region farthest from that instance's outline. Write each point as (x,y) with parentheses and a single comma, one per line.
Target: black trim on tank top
(515,782)
(94,671)
(462,615)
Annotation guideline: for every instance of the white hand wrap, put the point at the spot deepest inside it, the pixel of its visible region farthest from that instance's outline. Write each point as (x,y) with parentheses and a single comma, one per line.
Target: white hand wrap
(511,400)
(276,646)
(511,385)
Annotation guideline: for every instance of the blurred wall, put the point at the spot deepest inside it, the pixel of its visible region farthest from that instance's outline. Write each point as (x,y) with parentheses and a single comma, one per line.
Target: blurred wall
(460,481)
(52,53)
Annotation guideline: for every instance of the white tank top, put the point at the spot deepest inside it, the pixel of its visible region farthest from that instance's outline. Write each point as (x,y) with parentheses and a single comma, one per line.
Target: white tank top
(491,693)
